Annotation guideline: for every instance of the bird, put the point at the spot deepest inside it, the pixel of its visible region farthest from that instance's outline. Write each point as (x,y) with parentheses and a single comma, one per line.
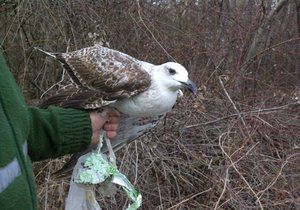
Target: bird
(106,78)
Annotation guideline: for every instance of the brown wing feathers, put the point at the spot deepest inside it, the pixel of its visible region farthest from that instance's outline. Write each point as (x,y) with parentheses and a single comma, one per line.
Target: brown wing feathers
(79,99)
(102,76)
(66,66)
(98,67)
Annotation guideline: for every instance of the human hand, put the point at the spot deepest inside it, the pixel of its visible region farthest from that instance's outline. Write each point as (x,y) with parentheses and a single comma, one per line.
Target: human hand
(107,120)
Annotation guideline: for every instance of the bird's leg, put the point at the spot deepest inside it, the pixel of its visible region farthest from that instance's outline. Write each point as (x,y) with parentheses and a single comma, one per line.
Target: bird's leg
(112,156)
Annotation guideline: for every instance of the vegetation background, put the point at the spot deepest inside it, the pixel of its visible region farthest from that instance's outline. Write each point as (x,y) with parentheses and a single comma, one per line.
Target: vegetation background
(236,145)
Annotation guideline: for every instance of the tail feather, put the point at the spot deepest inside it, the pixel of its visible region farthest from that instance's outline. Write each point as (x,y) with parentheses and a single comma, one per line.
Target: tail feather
(130,128)
(61,59)
(53,55)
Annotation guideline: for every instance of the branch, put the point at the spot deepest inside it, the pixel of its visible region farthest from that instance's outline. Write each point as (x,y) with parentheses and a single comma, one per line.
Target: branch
(254,57)
(224,188)
(278,175)
(231,101)
(145,25)
(239,173)
(252,112)
(187,199)
(262,32)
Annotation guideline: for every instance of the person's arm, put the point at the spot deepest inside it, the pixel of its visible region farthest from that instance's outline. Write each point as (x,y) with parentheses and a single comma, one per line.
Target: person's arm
(54,131)
(57,131)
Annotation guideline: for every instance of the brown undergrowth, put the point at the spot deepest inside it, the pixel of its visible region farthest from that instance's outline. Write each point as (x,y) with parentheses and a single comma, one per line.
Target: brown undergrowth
(235,145)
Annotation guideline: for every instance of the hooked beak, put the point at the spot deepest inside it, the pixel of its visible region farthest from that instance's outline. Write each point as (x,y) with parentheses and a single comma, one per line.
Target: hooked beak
(190,85)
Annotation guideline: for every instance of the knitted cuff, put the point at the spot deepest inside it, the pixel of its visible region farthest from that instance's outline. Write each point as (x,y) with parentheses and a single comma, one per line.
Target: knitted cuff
(76,130)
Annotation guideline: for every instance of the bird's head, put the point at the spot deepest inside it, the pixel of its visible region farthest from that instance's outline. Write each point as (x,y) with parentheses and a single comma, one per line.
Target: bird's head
(175,77)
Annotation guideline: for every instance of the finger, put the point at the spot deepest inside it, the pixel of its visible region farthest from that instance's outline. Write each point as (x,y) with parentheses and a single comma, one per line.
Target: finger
(111,134)
(113,113)
(110,112)
(110,127)
(97,120)
(113,120)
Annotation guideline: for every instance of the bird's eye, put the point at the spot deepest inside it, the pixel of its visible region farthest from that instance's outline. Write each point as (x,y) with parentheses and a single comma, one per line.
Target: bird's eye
(172,71)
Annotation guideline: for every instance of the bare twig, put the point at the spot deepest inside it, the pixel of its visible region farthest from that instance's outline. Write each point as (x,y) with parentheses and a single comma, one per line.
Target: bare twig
(256,56)
(246,153)
(187,199)
(155,39)
(231,101)
(252,112)
(263,31)
(239,173)
(224,188)
(50,88)
(136,162)
(277,176)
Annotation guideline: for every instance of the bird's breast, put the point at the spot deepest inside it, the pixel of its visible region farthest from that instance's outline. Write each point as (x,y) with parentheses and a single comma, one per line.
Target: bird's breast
(148,103)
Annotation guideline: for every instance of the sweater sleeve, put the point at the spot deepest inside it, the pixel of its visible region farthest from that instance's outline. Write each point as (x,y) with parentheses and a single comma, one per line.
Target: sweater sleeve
(57,131)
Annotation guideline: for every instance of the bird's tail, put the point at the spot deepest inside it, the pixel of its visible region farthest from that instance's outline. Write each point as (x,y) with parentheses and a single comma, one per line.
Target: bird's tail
(53,55)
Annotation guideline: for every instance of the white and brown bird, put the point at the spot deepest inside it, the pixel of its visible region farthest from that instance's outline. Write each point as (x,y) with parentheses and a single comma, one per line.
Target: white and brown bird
(141,91)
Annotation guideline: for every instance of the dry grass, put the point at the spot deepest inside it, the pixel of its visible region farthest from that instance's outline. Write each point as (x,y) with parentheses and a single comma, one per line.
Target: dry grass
(236,145)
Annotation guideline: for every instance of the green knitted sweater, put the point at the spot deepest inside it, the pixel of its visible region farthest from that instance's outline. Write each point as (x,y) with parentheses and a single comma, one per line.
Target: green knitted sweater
(29,133)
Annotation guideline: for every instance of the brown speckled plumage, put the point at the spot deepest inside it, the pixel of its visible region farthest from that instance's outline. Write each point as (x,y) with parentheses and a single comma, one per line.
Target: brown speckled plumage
(101,75)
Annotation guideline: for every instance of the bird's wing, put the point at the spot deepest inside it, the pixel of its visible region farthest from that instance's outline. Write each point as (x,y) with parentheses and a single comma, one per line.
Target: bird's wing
(130,128)
(81,98)
(104,69)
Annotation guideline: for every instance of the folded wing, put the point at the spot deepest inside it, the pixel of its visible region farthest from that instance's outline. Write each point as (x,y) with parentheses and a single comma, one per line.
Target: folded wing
(104,69)
(130,128)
